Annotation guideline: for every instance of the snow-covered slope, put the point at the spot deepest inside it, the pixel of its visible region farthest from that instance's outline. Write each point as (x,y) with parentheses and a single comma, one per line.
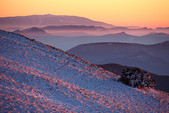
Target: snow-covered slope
(36,77)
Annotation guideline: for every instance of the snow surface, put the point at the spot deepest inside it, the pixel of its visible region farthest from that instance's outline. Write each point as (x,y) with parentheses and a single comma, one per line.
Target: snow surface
(35,77)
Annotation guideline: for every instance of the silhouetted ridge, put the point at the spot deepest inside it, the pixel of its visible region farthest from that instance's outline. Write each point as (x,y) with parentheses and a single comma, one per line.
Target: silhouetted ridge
(47,20)
(121,34)
(34,29)
(153,58)
(120,28)
(157,35)
(162,28)
(73,27)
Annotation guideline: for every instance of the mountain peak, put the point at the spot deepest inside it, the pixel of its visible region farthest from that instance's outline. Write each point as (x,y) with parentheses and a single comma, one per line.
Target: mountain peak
(34,29)
(120,34)
(48,15)
(145,28)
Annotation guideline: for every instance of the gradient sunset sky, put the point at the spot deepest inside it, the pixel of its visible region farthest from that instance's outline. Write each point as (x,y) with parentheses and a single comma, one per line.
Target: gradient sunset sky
(150,13)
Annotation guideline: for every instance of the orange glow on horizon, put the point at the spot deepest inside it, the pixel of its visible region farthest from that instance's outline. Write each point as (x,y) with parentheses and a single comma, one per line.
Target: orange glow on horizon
(150,13)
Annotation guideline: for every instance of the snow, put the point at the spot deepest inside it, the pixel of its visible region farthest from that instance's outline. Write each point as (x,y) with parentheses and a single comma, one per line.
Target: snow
(40,78)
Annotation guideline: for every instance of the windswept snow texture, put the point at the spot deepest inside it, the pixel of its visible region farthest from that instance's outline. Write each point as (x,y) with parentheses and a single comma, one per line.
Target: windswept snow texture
(36,77)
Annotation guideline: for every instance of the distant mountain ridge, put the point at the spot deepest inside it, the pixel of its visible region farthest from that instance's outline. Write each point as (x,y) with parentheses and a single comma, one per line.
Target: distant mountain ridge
(156,35)
(153,58)
(73,27)
(47,20)
(67,42)
(120,34)
(33,31)
(161,28)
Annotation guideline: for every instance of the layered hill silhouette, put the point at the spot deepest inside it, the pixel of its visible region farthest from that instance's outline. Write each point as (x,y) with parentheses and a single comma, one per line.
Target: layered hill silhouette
(68,42)
(162,81)
(36,77)
(74,27)
(153,58)
(162,28)
(33,31)
(152,38)
(65,22)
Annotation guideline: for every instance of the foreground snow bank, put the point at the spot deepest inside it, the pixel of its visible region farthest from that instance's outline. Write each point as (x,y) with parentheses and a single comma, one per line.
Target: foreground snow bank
(39,78)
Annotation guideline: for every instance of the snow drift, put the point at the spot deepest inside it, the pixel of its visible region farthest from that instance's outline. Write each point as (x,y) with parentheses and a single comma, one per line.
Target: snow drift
(39,78)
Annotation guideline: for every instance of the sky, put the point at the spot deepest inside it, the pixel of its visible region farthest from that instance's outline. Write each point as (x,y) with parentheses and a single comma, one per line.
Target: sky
(149,13)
